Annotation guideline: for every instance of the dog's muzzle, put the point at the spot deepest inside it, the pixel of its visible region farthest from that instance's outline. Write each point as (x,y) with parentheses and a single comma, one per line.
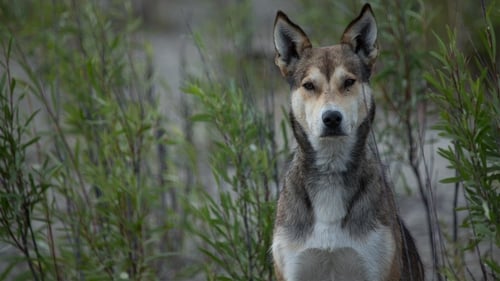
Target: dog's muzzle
(332,120)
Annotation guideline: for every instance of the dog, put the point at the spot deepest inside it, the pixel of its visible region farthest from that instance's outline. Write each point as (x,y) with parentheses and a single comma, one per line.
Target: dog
(336,217)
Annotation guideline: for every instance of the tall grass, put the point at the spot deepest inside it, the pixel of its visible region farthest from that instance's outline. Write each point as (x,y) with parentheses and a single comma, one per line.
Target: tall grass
(102,217)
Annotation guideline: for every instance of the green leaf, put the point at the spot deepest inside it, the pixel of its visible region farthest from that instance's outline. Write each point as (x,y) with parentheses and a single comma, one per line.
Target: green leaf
(493,264)
(451,180)
(202,117)
(193,89)
(486,210)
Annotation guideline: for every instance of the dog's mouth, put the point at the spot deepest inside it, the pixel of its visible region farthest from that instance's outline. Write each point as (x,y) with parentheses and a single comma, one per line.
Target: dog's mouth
(331,133)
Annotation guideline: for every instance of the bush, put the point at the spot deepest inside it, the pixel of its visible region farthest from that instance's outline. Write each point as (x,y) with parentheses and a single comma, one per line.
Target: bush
(22,189)
(103,217)
(469,106)
(235,225)
(234,222)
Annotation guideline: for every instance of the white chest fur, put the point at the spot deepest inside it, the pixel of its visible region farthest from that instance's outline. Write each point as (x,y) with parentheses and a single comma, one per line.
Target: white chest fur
(371,254)
(327,201)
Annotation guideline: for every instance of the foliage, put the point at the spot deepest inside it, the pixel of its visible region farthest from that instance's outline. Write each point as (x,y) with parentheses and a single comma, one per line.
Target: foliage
(469,106)
(404,103)
(238,220)
(22,188)
(234,222)
(98,215)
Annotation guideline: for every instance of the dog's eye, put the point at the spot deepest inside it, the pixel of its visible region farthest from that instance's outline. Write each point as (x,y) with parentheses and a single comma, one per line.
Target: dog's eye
(308,86)
(349,82)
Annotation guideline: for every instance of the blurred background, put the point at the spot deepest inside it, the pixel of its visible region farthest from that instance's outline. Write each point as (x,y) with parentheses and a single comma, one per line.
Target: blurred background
(145,140)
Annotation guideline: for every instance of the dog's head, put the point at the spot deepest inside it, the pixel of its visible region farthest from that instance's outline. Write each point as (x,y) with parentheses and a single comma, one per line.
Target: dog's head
(330,97)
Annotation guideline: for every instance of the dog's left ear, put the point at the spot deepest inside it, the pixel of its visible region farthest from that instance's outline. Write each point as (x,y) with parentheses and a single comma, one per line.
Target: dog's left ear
(361,35)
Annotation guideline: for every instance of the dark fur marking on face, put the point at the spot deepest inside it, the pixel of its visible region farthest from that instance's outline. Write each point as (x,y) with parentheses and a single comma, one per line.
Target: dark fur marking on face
(300,135)
(327,59)
(355,65)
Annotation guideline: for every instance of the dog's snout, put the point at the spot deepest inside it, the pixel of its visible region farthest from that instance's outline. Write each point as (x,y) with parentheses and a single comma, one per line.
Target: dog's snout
(332,119)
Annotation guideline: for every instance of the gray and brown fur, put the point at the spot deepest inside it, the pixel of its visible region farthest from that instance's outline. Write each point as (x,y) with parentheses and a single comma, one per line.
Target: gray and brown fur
(336,218)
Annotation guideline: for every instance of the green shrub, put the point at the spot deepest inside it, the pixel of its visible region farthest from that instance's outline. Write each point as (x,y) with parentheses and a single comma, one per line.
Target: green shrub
(99,213)
(469,107)
(236,222)
(22,188)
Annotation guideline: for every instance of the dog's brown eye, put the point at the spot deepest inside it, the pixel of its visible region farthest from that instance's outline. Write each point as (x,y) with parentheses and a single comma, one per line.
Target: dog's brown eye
(308,86)
(349,82)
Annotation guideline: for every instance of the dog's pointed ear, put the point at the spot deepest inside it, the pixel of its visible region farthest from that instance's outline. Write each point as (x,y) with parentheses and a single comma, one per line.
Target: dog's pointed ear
(290,41)
(361,35)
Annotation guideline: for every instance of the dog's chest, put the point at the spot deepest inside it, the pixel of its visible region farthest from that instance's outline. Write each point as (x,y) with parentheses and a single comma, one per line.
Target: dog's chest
(370,255)
(372,251)
(329,210)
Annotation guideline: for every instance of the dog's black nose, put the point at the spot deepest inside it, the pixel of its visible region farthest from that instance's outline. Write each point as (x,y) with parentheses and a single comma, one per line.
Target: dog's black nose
(332,119)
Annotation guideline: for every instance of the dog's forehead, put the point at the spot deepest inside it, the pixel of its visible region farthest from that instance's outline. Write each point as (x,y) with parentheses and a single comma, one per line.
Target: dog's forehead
(327,59)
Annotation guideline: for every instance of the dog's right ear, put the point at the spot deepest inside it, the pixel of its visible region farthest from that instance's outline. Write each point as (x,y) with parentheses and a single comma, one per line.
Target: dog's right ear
(290,41)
